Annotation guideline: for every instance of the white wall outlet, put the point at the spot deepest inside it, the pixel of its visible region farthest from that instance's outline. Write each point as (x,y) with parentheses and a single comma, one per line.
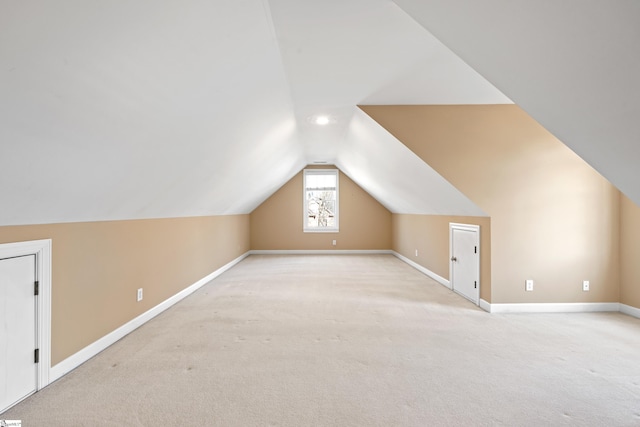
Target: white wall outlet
(528,285)
(585,285)
(416,252)
(334,243)
(139,297)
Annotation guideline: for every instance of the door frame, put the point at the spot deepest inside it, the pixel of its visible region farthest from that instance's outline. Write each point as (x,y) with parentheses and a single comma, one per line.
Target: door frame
(42,251)
(464,227)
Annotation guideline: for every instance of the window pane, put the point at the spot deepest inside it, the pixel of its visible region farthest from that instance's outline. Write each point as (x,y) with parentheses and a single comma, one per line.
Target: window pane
(321,181)
(320,204)
(321,208)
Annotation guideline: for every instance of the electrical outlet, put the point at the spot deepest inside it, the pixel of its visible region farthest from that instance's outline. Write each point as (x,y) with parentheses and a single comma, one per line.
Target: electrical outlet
(139,298)
(585,285)
(334,242)
(416,252)
(528,285)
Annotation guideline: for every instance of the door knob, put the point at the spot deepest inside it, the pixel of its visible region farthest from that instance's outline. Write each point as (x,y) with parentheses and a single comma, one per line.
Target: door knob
(454,259)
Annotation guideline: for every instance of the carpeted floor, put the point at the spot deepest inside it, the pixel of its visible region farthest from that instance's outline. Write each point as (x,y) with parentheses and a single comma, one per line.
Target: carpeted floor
(349,341)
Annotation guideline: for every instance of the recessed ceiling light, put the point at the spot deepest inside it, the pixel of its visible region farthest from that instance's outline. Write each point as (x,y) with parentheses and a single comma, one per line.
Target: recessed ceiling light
(322,120)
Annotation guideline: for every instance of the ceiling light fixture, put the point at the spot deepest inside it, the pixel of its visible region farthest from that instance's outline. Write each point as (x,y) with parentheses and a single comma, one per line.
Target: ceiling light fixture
(322,120)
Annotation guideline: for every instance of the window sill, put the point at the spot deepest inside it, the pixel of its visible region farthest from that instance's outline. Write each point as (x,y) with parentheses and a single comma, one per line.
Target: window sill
(321,230)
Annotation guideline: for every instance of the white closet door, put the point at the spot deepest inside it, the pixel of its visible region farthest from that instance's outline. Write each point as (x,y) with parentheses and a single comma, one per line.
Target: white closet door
(18,370)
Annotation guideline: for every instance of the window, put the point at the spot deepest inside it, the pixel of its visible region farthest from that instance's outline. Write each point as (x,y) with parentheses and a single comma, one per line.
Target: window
(320,200)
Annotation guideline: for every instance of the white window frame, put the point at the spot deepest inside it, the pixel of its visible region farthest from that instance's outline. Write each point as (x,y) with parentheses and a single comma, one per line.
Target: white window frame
(306,228)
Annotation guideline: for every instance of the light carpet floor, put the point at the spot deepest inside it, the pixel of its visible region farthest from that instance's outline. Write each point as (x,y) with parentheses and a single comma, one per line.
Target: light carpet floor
(349,341)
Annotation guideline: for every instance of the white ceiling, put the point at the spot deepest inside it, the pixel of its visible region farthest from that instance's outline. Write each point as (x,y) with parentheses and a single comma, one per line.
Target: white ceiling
(142,109)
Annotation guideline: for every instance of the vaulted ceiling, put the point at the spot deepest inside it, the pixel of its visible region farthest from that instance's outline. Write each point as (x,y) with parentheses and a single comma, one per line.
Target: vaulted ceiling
(143,109)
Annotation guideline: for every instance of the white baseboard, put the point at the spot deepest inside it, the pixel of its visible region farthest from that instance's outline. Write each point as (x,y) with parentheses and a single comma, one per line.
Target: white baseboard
(77,359)
(573,307)
(422,269)
(320,251)
(629,310)
(485,305)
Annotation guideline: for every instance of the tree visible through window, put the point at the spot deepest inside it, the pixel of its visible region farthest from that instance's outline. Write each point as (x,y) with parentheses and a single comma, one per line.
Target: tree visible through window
(321,199)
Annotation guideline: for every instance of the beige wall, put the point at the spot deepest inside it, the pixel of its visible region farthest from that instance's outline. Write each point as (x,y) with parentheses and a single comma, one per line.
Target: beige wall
(98,266)
(429,234)
(277,223)
(553,218)
(630,252)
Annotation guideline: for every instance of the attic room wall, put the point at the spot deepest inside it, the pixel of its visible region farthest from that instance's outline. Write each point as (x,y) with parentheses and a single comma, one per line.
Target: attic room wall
(98,266)
(429,234)
(629,252)
(277,223)
(553,218)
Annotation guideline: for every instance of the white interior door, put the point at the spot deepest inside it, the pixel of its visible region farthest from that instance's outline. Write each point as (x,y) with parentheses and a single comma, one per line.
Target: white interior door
(18,370)
(465,261)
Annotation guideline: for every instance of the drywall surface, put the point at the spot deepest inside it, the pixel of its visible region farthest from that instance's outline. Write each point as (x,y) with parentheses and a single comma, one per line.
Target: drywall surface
(429,235)
(98,267)
(629,252)
(554,219)
(277,223)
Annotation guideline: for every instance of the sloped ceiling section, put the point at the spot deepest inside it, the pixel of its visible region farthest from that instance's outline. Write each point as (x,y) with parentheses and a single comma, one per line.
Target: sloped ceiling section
(370,156)
(145,109)
(141,109)
(573,65)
